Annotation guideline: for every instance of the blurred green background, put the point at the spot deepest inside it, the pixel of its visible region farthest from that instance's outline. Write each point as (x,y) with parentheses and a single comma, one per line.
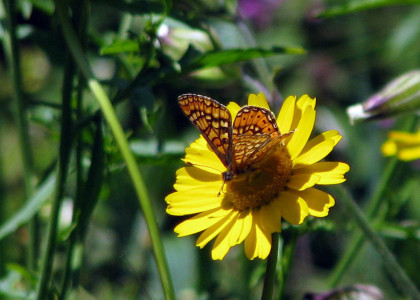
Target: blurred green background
(347,58)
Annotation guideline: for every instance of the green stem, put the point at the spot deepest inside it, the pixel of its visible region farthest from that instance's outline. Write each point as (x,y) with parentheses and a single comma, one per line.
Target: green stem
(63,162)
(270,273)
(112,120)
(356,241)
(83,211)
(12,52)
(258,63)
(398,275)
(289,244)
(75,246)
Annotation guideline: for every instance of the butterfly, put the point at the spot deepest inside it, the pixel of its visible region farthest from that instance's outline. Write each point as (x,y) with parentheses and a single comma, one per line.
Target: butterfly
(239,145)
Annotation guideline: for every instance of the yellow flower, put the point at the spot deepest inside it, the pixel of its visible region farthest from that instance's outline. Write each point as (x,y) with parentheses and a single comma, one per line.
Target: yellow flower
(251,206)
(406,146)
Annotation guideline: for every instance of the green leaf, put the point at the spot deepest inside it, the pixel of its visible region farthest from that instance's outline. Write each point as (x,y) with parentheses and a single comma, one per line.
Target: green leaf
(409,230)
(361,5)
(42,194)
(94,181)
(119,46)
(17,283)
(47,6)
(221,57)
(150,108)
(151,152)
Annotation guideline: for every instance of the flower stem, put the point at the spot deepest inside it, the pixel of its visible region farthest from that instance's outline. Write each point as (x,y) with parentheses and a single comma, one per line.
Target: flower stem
(270,273)
(398,275)
(356,241)
(112,120)
(12,52)
(63,163)
(75,245)
(289,244)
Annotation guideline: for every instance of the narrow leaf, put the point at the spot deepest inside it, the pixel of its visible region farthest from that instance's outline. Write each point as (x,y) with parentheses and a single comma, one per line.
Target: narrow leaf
(362,5)
(221,57)
(94,181)
(119,46)
(42,194)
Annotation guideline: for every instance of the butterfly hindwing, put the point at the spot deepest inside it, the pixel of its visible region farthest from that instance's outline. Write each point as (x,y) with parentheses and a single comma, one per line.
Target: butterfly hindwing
(254,132)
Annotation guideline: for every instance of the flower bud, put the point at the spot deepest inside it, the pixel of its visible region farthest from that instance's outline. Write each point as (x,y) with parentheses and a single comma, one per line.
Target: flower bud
(175,40)
(400,96)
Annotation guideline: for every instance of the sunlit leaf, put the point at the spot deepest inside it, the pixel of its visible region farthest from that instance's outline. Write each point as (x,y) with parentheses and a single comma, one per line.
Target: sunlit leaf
(42,194)
(47,6)
(408,230)
(151,152)
(17,283)
(361,5)
(120,46)
(222,57)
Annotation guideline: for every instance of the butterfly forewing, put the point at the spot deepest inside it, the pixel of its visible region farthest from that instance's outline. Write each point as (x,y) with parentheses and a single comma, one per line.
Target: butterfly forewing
(214,122)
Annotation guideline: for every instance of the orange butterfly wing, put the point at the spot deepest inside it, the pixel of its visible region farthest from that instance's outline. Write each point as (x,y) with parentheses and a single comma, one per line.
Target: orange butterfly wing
(214,122)
(255,133)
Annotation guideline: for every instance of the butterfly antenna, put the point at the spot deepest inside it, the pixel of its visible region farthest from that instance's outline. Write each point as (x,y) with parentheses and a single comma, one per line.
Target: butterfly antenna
(197,165)
(221,189)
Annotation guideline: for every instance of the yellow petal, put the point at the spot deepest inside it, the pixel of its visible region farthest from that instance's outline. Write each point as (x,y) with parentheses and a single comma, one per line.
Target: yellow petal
(302,104)
(232,234)
(241,228)
(318,201)
(405,137)
(302,133)
(201,156)
(211,232)
(305,101)
(192,177)
(403,144)
(303,181)
(258,100)
(251,243)
(201,221)
(409,153)
(389,148)
(317,148)
(314,154)
(327,172)
(233,109)
(269,217)
(293,208)
(286,113)
(221,245)
(258,243)
(192,201)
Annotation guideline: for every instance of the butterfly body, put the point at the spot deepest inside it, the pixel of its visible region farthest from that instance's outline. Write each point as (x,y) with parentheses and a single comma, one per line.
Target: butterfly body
(240,144)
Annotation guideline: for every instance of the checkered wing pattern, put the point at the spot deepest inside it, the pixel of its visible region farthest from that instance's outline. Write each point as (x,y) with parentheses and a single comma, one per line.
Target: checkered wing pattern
(254,135)
(214,122)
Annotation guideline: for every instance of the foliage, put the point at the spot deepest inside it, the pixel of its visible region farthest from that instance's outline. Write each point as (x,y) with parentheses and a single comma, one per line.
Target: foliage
(91,136)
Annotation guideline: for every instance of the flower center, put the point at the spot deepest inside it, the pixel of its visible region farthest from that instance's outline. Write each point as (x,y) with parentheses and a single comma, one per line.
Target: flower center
(262,182)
